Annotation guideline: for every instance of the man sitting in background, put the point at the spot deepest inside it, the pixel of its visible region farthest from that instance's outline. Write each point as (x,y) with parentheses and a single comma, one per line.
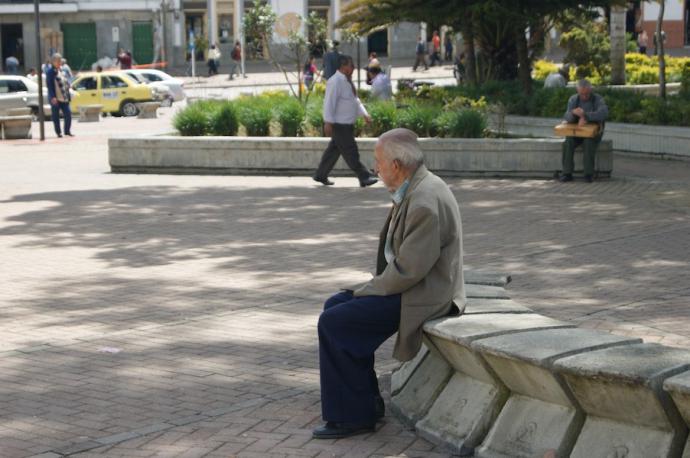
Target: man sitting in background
(583,107)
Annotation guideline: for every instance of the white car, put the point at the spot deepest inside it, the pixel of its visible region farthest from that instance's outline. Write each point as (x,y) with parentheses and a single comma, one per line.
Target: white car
(157,78)
(19,92)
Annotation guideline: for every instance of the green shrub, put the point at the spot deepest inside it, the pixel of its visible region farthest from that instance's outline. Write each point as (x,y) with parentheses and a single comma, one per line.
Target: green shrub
(383,117)
(685,82)
(224,121)
(419,119)
(315,113)
(542,69)
(642,74)
(192,121)
(255,114)
(290,114)
(467,123)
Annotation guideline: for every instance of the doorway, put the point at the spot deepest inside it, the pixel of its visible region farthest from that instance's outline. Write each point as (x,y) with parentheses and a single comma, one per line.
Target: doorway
(12,39)
(378,42)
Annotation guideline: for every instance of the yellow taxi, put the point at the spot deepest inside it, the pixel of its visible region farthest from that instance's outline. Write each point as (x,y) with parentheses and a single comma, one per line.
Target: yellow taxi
(117,92)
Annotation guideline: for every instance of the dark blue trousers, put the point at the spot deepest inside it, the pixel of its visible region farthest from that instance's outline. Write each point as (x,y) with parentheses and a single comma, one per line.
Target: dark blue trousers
(350,330)
(66,114)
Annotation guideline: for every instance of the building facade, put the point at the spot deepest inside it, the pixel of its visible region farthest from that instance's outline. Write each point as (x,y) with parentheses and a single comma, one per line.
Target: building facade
(86,31)
(676,24)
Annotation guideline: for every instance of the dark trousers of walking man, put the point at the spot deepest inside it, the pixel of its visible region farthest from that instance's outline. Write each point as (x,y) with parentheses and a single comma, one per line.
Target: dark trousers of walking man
(66,114)
(589,146)
(342,142)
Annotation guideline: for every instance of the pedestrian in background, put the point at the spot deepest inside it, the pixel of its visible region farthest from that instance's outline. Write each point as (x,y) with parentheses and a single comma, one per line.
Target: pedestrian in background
(435,49)
(58,94)
(310,72)
(66,70)
(213,60)
(235,60)
(642,42)
(12,65)
(420,55)
(341,108)
(330,60)
(124,60)
(381,88)
(449,48)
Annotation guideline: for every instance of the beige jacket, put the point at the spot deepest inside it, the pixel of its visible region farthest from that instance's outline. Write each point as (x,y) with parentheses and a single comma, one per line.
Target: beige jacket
(427,270)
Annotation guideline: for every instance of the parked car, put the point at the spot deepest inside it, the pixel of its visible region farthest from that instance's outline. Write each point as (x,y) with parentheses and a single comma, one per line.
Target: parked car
(116,91)
(162,94)
(19,92)
(157,78)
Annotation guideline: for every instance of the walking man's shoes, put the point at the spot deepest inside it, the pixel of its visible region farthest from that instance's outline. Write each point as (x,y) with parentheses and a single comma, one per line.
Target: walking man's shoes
(336,430)
(323,181)
(368,182)
(565,177)
(588,178)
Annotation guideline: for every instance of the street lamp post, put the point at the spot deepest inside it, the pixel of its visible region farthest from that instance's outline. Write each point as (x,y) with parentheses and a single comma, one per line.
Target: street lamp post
(39,71)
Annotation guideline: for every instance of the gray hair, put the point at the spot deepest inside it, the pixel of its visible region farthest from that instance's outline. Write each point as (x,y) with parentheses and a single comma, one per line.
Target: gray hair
(401,145)
(584,84)
(56,56)
(344,59)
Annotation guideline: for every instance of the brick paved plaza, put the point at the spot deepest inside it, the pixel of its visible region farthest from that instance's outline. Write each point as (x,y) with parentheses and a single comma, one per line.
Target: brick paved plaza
(147,315)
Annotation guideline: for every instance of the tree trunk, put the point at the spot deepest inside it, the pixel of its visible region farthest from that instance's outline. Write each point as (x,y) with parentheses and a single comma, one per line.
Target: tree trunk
(524,66)
(660,47)
(618,45)
(468,49)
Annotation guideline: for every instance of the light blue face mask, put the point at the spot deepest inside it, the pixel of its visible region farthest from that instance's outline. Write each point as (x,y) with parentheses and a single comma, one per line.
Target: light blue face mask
(399,193)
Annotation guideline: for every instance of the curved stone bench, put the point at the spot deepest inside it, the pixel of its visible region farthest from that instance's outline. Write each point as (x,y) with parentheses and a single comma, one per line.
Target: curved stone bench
(503,381)
(541,414)
(679,389)
(620,390)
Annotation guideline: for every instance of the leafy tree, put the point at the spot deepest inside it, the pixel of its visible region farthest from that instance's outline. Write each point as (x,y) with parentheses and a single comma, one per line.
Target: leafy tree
(259,22)
(506,35)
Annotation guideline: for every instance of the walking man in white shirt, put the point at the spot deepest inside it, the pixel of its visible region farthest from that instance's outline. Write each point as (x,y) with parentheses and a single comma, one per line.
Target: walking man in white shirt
(341,108)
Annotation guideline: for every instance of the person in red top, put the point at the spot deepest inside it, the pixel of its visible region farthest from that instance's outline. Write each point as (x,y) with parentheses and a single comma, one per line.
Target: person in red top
(125,60)
(436,52)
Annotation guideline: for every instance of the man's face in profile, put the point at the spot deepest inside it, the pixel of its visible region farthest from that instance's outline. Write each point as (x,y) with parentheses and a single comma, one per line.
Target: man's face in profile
(347,69)
(386,169)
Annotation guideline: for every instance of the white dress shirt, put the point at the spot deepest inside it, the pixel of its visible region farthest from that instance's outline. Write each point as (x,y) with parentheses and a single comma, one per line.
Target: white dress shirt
(341,105)
(381,87)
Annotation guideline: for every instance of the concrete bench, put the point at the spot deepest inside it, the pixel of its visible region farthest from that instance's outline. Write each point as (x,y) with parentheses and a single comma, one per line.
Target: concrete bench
(24,111)
(471,399)
(148,110)
(16,127)
(679,389)
(90,113)
(541,414)
(620,390)
(474,305)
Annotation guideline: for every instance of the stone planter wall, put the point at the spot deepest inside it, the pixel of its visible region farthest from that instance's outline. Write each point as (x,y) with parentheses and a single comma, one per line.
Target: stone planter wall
(300,156)
(503,381)
(671,142)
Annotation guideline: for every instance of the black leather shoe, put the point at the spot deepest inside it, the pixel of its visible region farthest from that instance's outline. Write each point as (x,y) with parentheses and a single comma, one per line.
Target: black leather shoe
(588,178)
(368,182)
(69,134)
(323,181)
(565,177)
(335,430)
(59,135)
(379,407)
